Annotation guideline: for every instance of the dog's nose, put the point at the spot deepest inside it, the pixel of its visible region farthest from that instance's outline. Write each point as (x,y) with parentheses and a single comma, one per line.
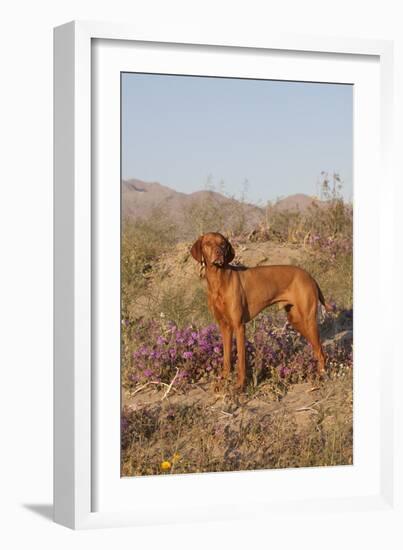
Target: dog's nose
(219,258)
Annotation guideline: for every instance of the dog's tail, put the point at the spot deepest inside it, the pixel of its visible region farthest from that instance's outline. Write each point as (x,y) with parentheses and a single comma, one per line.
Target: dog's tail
(328,307)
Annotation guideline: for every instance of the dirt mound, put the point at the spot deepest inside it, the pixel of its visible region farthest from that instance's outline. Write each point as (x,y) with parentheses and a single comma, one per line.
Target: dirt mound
(178,262)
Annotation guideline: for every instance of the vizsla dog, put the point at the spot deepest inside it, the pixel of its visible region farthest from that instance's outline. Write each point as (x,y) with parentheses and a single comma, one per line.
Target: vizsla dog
(237,294)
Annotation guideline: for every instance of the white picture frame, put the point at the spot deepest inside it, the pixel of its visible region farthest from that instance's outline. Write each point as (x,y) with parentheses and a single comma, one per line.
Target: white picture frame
(79,211)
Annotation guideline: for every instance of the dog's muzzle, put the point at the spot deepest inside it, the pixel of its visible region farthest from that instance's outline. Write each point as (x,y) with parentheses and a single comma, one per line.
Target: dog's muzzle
(218,263)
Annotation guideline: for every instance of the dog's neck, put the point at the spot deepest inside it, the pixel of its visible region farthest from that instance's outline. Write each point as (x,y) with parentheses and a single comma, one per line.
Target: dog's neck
(214,276)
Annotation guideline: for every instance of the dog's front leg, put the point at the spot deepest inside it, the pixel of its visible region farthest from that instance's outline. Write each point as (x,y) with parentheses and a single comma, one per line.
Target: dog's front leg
(240,346)
(226,333)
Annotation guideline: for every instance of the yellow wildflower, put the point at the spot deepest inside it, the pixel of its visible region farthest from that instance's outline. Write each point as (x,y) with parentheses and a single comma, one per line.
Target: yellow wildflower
(176,457)
(165,465)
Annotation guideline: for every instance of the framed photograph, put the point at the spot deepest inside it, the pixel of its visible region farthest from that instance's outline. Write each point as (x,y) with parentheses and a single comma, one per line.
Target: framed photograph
(222,213)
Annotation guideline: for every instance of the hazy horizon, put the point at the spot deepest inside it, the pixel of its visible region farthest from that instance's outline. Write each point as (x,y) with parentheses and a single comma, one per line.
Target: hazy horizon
(227,193)
(189,133)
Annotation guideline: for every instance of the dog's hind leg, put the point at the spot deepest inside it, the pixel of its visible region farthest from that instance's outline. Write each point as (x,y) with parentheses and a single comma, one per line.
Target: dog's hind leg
(307,326)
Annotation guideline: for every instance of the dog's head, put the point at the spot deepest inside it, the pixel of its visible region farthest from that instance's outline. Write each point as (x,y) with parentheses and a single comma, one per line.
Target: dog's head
(214,249)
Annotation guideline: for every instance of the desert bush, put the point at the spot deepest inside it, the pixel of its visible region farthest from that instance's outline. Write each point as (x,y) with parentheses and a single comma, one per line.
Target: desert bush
(181,303)
(204,216)
(142,242)
(213,213)
(333,271)
(330,222)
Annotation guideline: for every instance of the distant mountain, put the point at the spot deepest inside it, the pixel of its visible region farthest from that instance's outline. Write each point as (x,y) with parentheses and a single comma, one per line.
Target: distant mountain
(140,198)
(189,211)
(298,201)
(200,210)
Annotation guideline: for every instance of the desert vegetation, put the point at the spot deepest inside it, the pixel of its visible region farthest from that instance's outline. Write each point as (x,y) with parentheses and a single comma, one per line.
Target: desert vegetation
(176,417)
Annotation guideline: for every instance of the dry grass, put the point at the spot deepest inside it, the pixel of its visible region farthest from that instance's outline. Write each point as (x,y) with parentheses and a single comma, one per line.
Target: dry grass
(201,431)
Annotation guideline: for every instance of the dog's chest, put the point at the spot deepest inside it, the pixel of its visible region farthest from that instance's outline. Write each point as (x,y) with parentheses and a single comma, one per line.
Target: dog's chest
(217,305)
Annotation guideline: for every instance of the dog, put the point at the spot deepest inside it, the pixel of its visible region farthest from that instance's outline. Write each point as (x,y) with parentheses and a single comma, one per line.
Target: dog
(237,294)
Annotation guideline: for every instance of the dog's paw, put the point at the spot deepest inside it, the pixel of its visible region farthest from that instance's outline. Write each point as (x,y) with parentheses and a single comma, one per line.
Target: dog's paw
(240,387)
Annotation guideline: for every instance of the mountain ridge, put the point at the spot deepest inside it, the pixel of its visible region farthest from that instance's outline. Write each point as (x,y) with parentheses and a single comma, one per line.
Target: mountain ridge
(202,210)
(295,201)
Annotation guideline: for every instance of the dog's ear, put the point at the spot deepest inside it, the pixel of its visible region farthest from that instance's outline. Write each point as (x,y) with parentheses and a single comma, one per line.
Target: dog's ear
(229,252)
(196,250)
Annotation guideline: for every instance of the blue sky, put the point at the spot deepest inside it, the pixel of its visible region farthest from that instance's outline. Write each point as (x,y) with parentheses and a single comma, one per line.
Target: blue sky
(186,132)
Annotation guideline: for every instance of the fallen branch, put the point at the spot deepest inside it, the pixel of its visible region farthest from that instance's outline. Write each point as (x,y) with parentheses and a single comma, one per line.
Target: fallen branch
(153,382)
(307,407)
(162,384)
(227,413)
(303,409)
(139,389)
(170,385)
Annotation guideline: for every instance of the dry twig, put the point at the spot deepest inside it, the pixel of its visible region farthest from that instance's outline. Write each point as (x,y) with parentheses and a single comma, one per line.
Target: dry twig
(170,385)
